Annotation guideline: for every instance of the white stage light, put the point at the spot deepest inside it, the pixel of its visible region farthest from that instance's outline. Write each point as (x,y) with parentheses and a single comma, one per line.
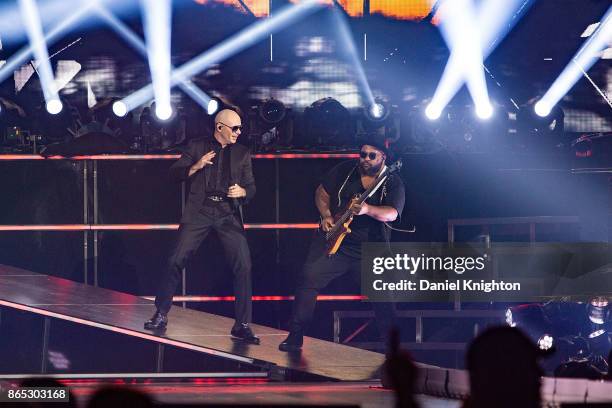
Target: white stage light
(484,111)
(120,109)
(187,86)
(233,45)
(54,106)
(158,25)
(377,110)
(213,106)
(584,59)
(542,108)
(432,112)
(464,27)
(163,112)
(509,320)
(545,342)
(347,38)
(31,19)
(596,333)
(21,57)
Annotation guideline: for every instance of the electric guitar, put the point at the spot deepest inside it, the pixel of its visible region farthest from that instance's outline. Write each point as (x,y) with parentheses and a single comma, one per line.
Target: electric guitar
(335,236)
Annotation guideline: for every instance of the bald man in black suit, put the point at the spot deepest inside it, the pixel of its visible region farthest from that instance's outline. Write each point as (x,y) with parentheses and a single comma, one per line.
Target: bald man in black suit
(221,180)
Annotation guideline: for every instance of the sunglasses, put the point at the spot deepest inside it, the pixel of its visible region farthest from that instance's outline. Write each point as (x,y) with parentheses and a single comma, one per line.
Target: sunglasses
(233,128)
(371,155)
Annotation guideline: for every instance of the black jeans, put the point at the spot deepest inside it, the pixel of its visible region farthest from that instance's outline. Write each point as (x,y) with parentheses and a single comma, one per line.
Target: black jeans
(234,242)
(319,270)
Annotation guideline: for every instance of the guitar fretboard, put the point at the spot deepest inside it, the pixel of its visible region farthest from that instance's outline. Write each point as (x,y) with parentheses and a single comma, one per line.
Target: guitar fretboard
(362,197)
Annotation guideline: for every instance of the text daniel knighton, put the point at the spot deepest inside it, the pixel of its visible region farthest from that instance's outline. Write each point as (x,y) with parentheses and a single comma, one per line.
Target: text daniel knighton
(467,285)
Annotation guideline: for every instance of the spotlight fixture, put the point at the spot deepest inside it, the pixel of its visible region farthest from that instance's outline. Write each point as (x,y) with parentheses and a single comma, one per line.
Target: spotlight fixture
(157,134)
(596,333)
(272,111)
(328,123)
(381,118)
(378,111)
(213,106)
(598,311)
(573,331)
(120,109)
(532,319)
(432,112)
(163,112)
(270,125)
(542,109)
(509,318)
(540,118)
(545,342)
(484,111)
(54,106)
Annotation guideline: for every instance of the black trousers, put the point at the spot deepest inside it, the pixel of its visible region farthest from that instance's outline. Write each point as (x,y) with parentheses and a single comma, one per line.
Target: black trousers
(234,242)
(319,270)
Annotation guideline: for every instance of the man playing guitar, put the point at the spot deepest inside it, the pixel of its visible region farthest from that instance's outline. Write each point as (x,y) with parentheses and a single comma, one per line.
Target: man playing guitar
(334,196)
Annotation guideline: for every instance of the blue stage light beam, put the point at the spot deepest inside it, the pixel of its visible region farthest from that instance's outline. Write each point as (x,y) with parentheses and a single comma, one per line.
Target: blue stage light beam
(21,57)
(584,59)
(199,96)
(460,31)
(233,45)
(51,12)
(494,20)
(157,19)
(347,40)
(31,20)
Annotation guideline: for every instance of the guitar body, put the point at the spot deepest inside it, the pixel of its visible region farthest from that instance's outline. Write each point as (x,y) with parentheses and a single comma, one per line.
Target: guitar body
(334,241)
(340,229)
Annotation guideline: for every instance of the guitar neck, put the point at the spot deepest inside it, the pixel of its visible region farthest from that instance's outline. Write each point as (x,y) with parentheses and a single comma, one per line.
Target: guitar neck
(362,197)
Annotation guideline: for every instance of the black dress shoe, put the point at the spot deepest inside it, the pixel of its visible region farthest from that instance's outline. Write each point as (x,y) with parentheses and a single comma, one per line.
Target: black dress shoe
(244,333)
(159,321)
(293,342)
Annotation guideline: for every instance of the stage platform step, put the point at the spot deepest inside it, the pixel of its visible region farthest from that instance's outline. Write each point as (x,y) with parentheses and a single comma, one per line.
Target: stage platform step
(188,329)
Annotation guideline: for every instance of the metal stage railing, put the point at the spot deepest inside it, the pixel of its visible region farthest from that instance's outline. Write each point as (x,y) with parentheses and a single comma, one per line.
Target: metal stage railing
(486,223)
(419,343)
(90,177)
(420,315)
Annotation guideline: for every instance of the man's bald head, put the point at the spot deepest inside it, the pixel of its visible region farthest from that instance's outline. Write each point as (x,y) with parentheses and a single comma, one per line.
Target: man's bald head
(228,126)
(228,116)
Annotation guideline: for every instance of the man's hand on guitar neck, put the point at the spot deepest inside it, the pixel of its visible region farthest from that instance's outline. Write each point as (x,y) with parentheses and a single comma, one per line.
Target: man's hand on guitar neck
(359,209)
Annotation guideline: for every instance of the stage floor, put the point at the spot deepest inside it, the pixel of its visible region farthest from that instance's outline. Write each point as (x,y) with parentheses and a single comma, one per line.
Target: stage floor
(363,394)
(188,329)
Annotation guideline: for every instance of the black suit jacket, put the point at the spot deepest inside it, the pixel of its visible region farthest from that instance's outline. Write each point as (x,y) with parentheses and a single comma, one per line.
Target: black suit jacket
(241,173)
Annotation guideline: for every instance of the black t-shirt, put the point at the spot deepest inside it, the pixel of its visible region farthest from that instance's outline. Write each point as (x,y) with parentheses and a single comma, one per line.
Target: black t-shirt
(342,183)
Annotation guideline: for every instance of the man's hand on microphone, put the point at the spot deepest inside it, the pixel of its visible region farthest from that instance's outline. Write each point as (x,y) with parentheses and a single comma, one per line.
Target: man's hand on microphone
(203,162)
(236,191)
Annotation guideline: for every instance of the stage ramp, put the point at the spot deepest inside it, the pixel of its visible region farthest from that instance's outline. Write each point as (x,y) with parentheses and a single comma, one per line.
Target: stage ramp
(96,312)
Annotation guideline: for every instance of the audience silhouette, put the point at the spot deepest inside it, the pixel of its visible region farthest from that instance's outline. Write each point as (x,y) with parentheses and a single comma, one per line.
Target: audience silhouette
(503,370)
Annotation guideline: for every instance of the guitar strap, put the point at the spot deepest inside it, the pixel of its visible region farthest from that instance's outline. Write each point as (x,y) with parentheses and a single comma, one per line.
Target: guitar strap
(382,182)
(344,184)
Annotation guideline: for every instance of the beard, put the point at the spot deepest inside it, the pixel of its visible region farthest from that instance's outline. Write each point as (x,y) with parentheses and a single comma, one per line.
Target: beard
(369,170)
